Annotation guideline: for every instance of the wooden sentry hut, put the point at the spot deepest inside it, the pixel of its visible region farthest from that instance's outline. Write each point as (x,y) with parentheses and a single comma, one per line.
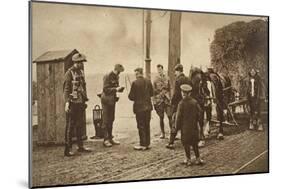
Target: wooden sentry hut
(51,67)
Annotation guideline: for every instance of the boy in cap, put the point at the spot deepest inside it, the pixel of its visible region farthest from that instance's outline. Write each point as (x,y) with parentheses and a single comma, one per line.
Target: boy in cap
(187,118)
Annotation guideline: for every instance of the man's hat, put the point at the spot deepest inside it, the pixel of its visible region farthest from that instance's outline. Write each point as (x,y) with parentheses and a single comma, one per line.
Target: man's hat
(210,67)
(140,70)
(78,57)
(186,87)
(119,67)
(179,67)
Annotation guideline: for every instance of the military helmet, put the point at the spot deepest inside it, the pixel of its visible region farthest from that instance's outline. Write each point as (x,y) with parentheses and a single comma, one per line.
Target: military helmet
(78,57)
(186,88)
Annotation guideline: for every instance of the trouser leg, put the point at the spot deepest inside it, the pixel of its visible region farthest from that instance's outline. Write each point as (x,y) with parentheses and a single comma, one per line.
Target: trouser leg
(108,118)
(78,124)
(187,151)
(168,110)
(160,108)
(68,133)
(220,117)
(196,150)
(140,125)
(201,124)
(147,128)
(162,125)
(173,132)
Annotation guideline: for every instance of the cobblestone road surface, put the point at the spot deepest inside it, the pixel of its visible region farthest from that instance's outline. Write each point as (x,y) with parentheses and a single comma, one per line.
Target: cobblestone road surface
(122,163)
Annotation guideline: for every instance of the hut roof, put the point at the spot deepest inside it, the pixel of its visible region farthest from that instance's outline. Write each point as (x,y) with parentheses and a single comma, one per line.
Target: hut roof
(51,56)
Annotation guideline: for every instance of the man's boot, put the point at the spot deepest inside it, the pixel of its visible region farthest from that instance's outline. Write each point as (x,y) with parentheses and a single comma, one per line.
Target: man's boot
(83,149)
(199,161)
(170,146)
(114,142)
(260,126)
(187,162)
(201,143)
(220,136)
(251,127)
(68,152)
(107,143)
(162,136)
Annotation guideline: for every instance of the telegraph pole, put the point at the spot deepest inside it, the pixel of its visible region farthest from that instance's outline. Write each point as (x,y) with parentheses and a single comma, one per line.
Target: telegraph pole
(147,49)
(174,43)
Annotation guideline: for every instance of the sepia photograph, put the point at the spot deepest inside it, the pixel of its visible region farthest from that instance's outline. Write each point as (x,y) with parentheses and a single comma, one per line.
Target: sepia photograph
(123,94)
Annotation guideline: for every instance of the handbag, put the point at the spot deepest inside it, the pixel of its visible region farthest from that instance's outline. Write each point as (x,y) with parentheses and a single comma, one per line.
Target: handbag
(108,99)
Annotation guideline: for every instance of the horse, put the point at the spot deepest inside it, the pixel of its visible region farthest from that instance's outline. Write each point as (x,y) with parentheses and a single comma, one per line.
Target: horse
(208,90)
(200,92)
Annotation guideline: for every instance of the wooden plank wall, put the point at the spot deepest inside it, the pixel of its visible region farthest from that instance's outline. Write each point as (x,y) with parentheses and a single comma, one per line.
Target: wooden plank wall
(51,117)
(60,113)
(51,114)
(41,77)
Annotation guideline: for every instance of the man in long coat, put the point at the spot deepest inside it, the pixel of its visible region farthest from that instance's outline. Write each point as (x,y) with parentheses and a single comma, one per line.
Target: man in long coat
(187,121)
(141,93)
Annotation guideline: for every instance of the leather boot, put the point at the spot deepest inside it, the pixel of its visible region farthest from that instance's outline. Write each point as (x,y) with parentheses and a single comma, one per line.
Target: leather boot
(251,127)
(260,126)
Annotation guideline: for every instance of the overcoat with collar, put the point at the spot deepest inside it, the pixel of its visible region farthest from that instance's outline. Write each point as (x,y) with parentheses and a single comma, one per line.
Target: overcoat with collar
(187,117)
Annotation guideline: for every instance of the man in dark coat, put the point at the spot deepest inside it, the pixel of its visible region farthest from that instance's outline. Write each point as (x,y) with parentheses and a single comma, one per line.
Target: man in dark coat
(187,121)
(254,94)
(141,93)
(108,101)
(176,98)
(75,96)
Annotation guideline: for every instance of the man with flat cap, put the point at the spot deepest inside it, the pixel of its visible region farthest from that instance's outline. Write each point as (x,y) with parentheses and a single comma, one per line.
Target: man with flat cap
(75,96)
(187,121)
(176,98)
(108,101)
(141,93)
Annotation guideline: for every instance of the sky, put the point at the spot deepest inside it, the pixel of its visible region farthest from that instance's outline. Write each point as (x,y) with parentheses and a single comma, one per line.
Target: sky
(108,35)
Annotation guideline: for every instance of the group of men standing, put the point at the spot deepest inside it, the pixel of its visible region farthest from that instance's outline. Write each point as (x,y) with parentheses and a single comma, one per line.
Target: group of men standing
(145,95)
(181,108)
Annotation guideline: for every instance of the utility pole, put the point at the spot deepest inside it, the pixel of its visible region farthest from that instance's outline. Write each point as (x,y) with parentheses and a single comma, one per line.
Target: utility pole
(174,43)
(148,39)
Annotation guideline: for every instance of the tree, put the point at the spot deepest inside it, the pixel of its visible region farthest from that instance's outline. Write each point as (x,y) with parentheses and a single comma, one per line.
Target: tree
(174,43)
(238,47)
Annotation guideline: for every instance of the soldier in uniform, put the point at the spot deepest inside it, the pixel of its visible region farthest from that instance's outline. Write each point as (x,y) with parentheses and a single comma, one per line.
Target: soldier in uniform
(176,98)
(75,96)
(162,98)
(141,93)
(187,121)
(108,101)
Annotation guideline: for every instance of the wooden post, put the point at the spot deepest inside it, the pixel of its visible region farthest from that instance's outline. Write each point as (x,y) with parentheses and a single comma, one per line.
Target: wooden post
(148,39)
(174,43)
